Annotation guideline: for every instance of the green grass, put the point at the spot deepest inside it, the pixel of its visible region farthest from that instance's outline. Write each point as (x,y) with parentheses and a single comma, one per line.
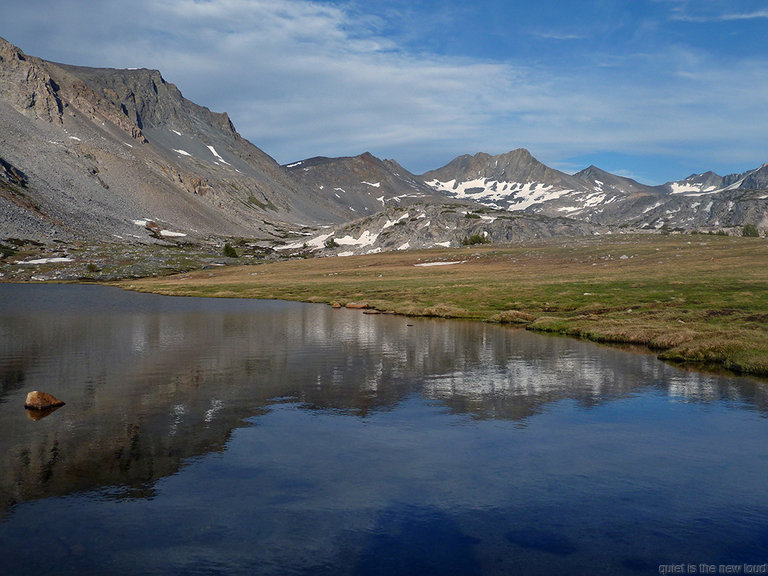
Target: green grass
(691,298)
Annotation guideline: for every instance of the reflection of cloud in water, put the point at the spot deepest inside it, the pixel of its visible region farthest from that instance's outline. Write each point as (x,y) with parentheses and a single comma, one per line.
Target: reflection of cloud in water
(702,388)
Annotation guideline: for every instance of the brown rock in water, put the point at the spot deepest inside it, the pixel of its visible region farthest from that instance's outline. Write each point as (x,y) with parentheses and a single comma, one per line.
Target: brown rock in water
(369,311)
(336,305)
(41,401)
(40,414)
(357,305)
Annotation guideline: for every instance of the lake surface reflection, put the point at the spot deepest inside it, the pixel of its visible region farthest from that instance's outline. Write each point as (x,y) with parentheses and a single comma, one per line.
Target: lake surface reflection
(257,437)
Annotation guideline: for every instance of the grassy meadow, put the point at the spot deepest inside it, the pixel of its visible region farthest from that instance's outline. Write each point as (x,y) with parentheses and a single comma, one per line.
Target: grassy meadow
(693,298)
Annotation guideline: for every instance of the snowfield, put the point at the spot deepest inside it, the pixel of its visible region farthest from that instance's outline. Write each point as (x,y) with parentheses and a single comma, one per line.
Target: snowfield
(517,195)
(47,261)
(424,264)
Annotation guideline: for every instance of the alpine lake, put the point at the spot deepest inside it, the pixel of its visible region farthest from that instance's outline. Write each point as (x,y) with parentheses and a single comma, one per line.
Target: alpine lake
(226,436)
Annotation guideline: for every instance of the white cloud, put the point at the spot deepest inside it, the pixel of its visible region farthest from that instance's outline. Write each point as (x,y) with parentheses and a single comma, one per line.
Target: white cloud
(301,78)
(703,11)
(727,17)
(550,35)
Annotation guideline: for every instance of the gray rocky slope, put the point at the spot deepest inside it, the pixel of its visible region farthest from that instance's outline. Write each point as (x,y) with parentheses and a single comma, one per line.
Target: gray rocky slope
(90,153)
(361,185)
(428,225)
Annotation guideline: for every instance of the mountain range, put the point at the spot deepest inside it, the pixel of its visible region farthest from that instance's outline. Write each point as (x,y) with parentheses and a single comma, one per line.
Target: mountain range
(120,155)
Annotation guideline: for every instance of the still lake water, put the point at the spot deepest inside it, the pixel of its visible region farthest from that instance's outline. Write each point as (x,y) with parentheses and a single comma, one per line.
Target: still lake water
(257,437)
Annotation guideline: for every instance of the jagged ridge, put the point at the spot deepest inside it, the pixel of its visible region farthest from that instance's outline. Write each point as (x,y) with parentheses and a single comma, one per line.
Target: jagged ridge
(87,152)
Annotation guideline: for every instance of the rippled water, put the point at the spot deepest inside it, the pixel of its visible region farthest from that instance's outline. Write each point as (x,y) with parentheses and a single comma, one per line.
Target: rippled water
(256,437)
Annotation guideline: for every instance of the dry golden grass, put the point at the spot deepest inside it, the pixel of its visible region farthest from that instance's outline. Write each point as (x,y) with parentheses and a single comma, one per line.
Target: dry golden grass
(512,317)
(694,297)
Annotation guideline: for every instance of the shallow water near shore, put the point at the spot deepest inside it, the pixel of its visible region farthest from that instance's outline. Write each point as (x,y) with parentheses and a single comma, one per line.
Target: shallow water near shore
(222,436)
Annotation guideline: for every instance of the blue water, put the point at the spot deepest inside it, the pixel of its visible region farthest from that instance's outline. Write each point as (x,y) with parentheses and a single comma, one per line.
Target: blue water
(233,437)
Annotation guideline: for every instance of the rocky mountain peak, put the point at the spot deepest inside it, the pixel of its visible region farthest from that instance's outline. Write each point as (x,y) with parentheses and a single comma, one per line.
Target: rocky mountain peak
(517,167)
(601,181)
(142,95)
(757,179)
(27,85)
(591,171)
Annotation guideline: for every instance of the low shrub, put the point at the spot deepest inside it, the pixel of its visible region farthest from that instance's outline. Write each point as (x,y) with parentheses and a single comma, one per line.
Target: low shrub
(475,239)
(750,231)
(229,251)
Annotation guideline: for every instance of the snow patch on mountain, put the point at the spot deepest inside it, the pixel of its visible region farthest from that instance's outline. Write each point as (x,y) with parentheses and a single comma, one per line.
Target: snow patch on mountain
(427,264)
(390,223)
(367,238)
(685,187)
(517,195)
(218,156)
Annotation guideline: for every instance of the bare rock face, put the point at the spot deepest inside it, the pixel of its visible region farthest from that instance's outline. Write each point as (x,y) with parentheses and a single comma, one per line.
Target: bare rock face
(27,85)
(37,400)
(11,174)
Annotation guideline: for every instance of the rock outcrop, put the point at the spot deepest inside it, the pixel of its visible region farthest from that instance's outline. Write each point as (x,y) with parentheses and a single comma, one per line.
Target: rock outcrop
(27,85)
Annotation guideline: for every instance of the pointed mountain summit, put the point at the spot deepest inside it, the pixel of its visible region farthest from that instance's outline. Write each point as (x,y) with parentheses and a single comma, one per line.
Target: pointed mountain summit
(512,181)
(358,185)
(600,180)
(515,166)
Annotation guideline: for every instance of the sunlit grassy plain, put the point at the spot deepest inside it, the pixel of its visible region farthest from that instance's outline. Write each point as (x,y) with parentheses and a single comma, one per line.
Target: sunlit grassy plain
(692,298)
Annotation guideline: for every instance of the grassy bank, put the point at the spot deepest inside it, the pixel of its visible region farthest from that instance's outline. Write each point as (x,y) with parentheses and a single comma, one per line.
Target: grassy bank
(693,298)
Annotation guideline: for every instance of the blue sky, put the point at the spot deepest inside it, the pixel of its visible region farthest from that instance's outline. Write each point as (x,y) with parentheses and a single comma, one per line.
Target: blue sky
(651,89)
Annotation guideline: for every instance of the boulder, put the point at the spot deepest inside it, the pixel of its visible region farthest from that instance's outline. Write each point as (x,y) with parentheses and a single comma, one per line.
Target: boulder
(357,305)
(154,229)
(41,401)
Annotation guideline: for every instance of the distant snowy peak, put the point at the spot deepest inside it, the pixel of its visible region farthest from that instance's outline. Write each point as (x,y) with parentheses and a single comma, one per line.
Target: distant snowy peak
(499,194)
(517,166)
(602,181)
(518,181)
(705,183)
(756,179)
(711,183)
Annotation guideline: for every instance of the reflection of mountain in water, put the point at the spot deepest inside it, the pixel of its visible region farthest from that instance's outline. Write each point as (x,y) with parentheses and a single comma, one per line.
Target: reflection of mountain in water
(151,381)
(514,377)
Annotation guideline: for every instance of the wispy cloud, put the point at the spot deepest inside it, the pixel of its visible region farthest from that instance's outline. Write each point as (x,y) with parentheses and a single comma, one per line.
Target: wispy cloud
(551,35)
(729,17)
(704,11)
